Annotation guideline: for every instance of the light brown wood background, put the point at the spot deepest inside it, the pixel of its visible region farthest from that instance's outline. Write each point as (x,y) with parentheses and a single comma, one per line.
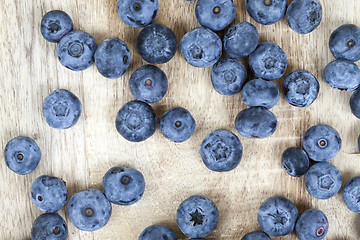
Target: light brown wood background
(82,154)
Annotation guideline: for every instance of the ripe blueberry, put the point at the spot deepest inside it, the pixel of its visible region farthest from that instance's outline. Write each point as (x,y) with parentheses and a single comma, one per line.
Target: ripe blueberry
(112,58)
(22,155)
(76,50)
(61,109)
(48,193)
(136,121)
(221,151)
(123,186)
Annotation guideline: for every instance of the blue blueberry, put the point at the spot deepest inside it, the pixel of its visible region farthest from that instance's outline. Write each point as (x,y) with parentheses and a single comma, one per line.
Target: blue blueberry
(256,122)
(89,210)
(303,16)
(215,15)
(48,193)
(342,75)
(221,151)
(201,47)
(312,224)
(112,58)
(228,76)
(266,11)
(148,84)
(241,40)
(123,186)
(323,180)
(55,24)
(136,121)
(156,44)
(351,194)
(76,50)
(268,61)
(197,216)
(61,109)
(177,124)
(49,226)
(277,216)
(295,161)
(137,13)
(321,142)
(157,232)
(22,155)
(257,235)
(260,93)
(301,88)
(345,42)
(355,103)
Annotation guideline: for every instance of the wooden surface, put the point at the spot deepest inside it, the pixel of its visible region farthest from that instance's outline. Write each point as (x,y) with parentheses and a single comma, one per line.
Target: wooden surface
(82,154)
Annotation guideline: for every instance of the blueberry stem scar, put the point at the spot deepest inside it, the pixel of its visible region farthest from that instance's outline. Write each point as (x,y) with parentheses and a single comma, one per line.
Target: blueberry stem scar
(20,157)
(56,231)
(148,82)
(125,180)
(89,212)
(216,10)
(267,2)
(197,218)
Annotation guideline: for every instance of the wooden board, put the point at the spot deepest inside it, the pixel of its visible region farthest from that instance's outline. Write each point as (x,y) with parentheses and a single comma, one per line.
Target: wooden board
(82,154)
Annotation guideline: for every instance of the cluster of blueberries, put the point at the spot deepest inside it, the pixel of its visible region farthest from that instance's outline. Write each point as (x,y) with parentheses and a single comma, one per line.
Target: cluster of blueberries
(221,150)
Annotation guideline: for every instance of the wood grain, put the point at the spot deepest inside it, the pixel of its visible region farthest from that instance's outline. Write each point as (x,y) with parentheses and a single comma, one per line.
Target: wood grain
(82,154)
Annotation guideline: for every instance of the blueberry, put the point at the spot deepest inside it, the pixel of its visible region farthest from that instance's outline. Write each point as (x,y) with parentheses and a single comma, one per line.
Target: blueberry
(355,103)
(137,13)
(345,42)
(257,235)
(323,180)
(148,84)
(266,11)
(48,193)
(76,50)
(342,75)
(215,15)
(256,122)
(136,121)
(157,232)
(112,58)
(156,44)
(351,194)
(295,161)
(268,61)
(177,124)
(312,224)
(123,186)
(55,24)
(89,210)
(241,40)
(260,93)
(201,47)
(228,76)
(197,216)
(22,155)
(277,216)
(50,226)
(321,142)
(301,88)
(303,16)
(221,151)
(61,109)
